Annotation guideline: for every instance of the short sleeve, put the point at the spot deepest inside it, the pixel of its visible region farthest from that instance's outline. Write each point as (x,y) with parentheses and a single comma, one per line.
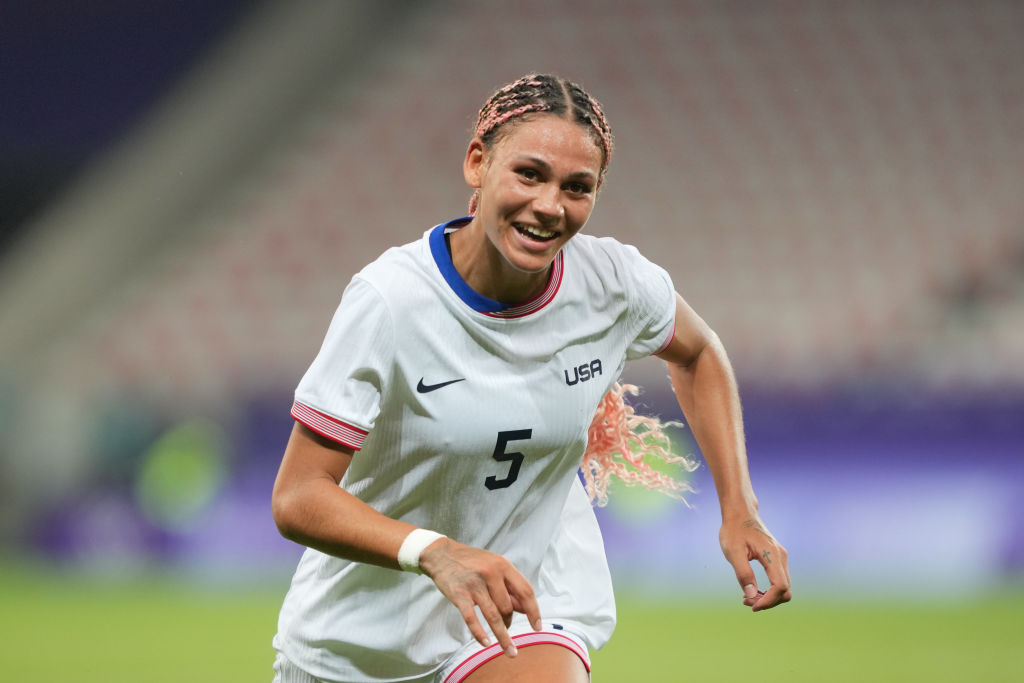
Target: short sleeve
(339,397)
(652,305)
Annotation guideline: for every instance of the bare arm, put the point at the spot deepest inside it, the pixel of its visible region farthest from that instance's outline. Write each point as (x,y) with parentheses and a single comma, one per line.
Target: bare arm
(705,387)
(310,508)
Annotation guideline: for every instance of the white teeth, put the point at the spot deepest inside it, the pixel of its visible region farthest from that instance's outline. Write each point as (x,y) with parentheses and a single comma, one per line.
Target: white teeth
(539,233)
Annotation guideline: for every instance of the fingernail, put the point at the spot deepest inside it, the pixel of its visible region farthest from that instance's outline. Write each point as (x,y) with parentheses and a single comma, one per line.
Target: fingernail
(750,591)
(537,625)
(511,651)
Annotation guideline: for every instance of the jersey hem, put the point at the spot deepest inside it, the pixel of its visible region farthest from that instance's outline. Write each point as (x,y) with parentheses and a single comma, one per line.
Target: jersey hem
(283,646)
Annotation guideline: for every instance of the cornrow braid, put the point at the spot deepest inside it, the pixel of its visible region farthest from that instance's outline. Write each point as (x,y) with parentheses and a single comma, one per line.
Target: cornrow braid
(542,93)
(586,108)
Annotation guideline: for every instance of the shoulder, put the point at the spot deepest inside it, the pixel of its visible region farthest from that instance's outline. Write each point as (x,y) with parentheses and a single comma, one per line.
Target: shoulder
(607,257)
(397,270)
(620,271)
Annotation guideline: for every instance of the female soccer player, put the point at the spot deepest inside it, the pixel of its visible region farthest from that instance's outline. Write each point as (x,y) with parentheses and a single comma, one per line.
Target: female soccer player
(441,427)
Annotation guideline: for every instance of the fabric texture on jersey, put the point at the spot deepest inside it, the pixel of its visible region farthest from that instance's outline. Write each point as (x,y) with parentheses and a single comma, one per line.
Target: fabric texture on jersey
(285,671)
(472,420)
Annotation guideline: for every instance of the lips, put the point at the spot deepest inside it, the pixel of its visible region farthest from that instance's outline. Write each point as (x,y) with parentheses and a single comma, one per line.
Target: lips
(535,233)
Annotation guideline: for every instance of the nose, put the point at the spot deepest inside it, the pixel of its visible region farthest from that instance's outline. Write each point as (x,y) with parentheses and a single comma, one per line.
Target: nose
(547,204)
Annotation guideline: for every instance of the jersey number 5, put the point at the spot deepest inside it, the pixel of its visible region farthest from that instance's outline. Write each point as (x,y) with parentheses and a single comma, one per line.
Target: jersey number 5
(516,459)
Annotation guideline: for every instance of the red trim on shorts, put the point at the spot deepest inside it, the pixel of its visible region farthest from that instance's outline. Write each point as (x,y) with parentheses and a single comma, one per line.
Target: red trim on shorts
(329,427)
(475,661)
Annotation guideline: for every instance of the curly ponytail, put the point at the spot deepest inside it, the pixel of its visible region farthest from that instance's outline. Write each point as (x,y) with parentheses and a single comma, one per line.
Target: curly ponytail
(623,444)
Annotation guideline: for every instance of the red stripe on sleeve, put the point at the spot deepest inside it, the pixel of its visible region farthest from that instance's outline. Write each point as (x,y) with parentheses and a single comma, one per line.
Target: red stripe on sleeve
(330,427)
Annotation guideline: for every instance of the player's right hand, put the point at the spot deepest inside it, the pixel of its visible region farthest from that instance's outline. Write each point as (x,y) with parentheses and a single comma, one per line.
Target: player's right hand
(470,577)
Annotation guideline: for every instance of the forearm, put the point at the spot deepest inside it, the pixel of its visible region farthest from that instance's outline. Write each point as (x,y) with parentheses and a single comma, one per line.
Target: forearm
(310,508)
(708,396)
(320,515)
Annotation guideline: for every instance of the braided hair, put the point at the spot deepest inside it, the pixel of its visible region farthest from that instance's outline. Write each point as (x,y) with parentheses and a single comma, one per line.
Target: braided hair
(542,93)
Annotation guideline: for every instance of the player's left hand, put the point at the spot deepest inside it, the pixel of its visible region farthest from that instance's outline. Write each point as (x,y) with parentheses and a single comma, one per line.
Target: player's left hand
(474,578)
(745,541)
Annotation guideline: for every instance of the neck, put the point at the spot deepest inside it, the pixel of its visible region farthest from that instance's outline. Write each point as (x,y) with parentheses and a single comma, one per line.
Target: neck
(487,272)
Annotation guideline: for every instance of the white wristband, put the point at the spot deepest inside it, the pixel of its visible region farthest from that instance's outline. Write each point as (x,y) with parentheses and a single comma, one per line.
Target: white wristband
(412,546)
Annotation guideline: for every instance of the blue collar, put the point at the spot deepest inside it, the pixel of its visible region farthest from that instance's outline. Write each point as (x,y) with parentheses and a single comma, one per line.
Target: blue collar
(443,259)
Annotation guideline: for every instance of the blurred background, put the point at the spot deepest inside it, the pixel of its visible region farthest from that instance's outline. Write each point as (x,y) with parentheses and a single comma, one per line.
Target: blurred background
(186,187)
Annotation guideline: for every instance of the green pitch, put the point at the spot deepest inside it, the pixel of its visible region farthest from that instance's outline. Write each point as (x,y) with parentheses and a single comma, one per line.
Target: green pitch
(69,629)
(813,641)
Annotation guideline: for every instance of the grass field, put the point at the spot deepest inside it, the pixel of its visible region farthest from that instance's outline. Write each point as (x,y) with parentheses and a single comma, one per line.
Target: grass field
(59,629)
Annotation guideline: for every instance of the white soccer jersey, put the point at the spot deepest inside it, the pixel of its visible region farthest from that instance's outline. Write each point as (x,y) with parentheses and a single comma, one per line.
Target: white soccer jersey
(471,419)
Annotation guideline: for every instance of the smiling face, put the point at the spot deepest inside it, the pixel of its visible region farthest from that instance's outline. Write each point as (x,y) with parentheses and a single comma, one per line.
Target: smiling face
(538,183)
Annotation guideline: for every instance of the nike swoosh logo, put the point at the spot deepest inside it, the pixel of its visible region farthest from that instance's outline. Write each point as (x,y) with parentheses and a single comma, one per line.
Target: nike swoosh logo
(427,388)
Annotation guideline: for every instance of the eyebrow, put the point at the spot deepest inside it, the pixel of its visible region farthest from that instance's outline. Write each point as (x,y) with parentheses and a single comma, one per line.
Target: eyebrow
(547,168)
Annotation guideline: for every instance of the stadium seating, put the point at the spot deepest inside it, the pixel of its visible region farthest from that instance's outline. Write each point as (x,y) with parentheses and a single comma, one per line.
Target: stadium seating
(821,179)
